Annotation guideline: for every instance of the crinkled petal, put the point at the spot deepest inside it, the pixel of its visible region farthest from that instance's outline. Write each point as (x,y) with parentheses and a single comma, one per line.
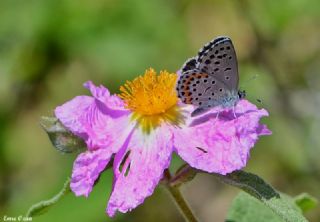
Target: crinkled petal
(138,167)
(87,168)
(99,120)
(220,144)
(103,95)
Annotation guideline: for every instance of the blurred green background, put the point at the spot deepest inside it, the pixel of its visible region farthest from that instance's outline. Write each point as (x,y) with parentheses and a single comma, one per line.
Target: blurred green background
(49,48)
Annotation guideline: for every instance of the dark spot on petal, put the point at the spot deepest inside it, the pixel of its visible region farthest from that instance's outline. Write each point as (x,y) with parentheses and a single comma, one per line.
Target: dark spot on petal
(202,150)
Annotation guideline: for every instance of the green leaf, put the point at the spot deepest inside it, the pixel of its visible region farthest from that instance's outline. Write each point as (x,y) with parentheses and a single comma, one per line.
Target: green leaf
(305,202)
(62,139)
(43,206)
(258,188)
(246,208)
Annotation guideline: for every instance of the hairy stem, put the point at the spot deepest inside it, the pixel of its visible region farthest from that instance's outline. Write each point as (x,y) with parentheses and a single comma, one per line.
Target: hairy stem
(179,200)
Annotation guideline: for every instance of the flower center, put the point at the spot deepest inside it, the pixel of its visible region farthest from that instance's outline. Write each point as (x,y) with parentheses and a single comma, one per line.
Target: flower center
(153,99)
(150,94)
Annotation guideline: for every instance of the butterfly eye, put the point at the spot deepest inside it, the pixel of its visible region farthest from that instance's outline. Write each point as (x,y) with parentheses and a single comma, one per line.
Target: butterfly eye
(220,89)
(205,80)
(227,77)
(213,82)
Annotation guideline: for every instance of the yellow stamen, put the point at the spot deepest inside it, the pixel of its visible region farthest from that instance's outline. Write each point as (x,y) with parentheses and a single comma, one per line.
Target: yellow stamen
(151,97)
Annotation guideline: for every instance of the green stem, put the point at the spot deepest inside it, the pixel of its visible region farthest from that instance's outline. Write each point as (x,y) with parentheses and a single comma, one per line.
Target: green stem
(179,200)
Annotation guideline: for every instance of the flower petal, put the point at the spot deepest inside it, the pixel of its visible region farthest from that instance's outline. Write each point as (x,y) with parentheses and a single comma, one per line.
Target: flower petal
(142,168)
(98,120)
(87,168)
(103,95)
(221,144)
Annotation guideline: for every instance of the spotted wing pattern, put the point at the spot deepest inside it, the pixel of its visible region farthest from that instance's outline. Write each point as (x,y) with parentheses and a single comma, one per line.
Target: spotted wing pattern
(208,78)
(200,89)
(220,61)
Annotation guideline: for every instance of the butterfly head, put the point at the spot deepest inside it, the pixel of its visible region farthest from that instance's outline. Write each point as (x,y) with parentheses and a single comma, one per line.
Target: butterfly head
(241,94)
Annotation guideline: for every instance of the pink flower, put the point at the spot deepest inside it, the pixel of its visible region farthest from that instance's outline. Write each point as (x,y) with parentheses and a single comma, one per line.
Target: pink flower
(143,126)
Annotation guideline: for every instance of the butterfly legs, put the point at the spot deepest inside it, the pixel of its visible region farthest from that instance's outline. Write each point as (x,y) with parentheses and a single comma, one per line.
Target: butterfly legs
(234,111)
(217,116)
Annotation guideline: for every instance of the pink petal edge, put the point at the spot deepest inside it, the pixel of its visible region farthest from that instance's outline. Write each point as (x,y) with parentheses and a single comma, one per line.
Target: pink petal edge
(223,143)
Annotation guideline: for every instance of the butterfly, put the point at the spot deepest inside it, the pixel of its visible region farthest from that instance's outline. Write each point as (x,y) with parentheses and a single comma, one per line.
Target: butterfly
(211,78)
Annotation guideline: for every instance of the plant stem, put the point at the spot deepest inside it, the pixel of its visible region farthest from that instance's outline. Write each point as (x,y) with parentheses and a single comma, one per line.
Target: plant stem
(179,200)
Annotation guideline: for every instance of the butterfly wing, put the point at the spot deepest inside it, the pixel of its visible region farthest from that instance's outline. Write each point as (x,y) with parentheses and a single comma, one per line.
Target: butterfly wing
(208,78)
(190,64)
(200,89)
(220,61)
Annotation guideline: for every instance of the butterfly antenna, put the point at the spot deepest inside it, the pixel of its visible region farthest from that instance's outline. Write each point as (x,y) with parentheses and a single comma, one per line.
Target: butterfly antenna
(251,79)
(259,101)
